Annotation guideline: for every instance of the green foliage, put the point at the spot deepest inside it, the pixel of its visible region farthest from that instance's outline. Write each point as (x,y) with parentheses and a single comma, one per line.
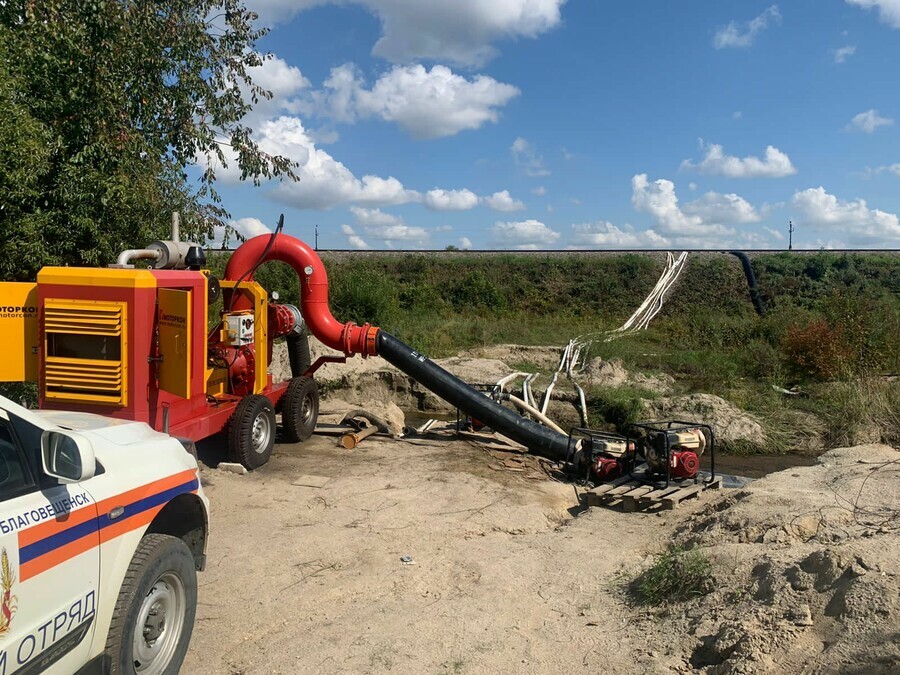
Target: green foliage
(676,575)
(363,296)
(105,106)
(616,406)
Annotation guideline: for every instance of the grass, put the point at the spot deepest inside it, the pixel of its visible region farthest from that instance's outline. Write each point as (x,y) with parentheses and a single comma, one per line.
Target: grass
(676,575)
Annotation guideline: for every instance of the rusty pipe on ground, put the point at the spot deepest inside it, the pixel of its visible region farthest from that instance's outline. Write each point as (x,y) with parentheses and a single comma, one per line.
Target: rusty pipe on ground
(353,438)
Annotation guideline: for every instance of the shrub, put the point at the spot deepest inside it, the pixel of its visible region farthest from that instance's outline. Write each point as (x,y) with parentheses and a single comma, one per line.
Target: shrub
(363,296)
(677,574)
(817,350)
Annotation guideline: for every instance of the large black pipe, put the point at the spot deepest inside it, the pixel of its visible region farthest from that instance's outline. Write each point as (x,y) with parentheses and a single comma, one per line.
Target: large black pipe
(755,295)
(537,438)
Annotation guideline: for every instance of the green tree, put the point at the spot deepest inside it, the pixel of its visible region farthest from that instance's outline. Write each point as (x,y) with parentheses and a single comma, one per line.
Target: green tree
(106,105)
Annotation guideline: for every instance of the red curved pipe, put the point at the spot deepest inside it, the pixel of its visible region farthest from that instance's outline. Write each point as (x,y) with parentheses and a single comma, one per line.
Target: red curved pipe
(347,338)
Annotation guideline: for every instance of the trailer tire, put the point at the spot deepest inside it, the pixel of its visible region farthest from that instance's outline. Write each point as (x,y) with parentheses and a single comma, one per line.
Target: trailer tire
(300,409)
(251,431)
(158,597)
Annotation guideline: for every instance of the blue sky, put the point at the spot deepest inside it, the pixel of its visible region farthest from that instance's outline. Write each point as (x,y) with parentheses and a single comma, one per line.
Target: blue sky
(579,123)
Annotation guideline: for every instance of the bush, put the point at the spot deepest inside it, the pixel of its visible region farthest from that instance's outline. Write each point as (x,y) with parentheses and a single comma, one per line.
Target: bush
(363,296)
(817,350)
(678,574)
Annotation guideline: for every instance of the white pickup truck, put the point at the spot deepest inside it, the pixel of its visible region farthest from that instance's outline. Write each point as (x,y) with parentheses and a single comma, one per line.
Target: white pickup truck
(103,526)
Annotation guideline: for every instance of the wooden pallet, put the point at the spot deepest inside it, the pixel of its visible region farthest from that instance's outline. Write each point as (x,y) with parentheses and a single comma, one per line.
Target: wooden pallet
(634,495)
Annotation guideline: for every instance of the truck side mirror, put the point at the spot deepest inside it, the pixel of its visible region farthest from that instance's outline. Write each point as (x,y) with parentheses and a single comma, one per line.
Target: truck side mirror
(67,456)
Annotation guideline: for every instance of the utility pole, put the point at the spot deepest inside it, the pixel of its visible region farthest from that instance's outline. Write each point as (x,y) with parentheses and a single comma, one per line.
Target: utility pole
(790,235)
(317,236)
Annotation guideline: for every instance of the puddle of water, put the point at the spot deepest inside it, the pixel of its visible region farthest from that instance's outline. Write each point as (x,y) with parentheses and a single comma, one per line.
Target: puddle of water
(757,466)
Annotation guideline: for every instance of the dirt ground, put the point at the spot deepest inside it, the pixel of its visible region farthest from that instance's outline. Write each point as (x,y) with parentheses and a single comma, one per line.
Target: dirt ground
(509,574)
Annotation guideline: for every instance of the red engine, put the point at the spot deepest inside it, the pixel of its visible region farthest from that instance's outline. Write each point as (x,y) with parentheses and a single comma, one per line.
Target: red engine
(684,448)
(684,463)
(237,353)
(606,468)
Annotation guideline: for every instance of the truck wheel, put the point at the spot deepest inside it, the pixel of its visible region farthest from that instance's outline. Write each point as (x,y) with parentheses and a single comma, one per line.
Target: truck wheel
(154,613)
(251,431)
(300,409)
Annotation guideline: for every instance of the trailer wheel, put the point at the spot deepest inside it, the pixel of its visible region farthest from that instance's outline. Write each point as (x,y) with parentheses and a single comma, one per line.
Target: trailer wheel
(300,409)
(251,431)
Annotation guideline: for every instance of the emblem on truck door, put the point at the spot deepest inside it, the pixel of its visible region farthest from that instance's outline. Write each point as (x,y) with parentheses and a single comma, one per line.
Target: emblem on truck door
(7,599)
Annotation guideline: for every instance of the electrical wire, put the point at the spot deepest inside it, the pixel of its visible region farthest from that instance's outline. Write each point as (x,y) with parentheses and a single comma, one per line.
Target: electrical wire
(249,273)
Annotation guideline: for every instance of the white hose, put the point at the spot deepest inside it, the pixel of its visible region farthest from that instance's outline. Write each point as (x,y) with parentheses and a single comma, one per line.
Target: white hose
(503,381)
(529,394)
(550,386)
(538,415)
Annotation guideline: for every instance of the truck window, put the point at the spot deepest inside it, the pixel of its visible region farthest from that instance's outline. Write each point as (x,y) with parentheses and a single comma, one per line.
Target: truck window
(15,478)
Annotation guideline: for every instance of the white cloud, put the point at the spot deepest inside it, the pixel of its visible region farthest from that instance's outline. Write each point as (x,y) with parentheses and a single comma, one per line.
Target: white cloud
(503,201)
(843,53)
(743,34)
(465,242)
(462,31)
(526,234)
(854,220)
(869,121)
(603,234)
(728,209)
(388,227)
(540,191)
(660,201)
(716,163)
(285,82)
(353,239)
(890,168)
(246,228)
(775,233)
(693,186)
(425,103)
(736,115)
(450,200)
(249,227)
(527,159)
(323,181)
(888,10)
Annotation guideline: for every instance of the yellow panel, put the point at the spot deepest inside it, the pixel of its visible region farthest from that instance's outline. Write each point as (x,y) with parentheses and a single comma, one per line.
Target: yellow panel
(174,341)
(258,296)
(18,332)
(97,276)
(216,381)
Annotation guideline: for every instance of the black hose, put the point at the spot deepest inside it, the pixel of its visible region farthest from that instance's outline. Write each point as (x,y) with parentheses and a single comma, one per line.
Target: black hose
(539,439)
(298,352)
(755,296)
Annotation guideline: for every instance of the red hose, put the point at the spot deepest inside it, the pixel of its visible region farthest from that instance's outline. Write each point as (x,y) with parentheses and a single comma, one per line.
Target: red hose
(347,338)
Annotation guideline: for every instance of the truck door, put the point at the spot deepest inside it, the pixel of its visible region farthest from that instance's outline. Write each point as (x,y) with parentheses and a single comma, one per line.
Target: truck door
(49,560)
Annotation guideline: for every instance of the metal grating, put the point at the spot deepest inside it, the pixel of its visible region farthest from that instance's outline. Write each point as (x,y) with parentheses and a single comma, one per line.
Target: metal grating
(84,358)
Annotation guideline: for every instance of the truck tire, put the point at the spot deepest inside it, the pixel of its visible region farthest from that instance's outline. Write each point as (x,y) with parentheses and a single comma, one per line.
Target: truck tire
(251,431)
(154,613)
(300,409)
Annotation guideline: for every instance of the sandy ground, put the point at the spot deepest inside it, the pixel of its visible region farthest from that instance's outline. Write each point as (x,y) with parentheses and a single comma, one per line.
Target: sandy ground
(506,579)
